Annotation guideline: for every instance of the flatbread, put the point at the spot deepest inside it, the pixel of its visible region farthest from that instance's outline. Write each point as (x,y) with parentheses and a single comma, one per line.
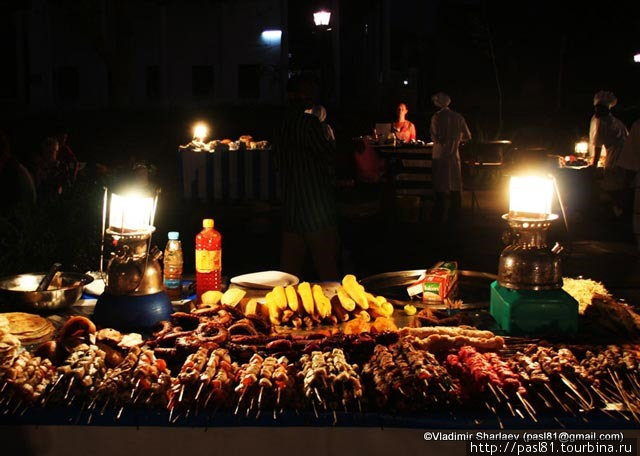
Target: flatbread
(29,328)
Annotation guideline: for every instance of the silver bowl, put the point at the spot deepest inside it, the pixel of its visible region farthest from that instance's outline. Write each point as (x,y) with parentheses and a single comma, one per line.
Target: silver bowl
(14,292)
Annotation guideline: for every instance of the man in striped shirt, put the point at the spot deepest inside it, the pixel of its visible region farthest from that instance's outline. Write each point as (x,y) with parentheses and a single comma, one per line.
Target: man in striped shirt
(305,160)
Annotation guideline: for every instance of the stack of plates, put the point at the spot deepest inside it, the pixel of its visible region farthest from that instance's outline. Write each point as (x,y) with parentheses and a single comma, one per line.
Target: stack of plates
(28,328)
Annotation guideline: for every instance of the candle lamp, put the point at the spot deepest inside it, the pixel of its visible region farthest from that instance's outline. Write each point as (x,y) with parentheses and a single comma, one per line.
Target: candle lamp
(134,296)
(528,298)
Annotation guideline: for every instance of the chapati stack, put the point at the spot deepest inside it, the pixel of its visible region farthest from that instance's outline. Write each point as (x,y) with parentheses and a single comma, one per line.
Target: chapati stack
(9,344)
(28,328)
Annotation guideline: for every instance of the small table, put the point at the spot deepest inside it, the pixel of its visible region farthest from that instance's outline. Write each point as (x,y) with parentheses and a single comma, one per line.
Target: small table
(228,175)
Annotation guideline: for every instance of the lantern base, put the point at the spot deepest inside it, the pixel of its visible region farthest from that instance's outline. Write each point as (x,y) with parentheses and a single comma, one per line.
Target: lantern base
(527,312)
(132,313)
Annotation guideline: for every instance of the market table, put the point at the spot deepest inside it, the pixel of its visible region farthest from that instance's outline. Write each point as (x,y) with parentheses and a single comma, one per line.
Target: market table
(465,417)
(228,175)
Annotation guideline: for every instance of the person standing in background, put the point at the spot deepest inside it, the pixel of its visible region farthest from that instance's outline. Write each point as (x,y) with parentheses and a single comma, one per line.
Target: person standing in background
(306,164)
(605,130)
(16,184)
(448,131)
(609,133)
(404,129)
(66,156)
(630,160)
(321,113)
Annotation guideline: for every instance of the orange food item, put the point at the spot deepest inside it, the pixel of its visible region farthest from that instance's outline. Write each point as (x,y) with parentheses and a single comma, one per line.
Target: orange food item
(356,326)
(382,324)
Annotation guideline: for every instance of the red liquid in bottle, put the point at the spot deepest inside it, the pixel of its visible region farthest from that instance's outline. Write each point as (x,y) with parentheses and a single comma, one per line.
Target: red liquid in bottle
(208,259)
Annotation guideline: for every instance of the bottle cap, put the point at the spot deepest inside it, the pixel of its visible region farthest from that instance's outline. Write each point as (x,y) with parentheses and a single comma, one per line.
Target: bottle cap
(174,235)
(207,223)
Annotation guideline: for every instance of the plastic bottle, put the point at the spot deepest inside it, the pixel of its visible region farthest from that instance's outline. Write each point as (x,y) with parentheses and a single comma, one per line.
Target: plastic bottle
(208,259)
(173,266)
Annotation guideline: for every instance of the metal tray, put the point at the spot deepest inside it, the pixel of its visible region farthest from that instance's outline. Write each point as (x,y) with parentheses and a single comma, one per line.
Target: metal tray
(472,288)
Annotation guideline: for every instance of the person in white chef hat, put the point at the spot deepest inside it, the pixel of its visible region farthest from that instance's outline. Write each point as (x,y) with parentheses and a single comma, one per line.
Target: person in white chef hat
(607,134)
(448,131)
(606,130)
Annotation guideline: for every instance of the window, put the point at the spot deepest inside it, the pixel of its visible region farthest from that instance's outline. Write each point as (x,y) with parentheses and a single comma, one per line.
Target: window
(153,88)
(202,81)
(249,81)
(67,83)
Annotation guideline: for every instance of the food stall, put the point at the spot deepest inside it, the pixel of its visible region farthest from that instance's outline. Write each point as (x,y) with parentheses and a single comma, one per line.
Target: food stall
(441,347)
(225,170)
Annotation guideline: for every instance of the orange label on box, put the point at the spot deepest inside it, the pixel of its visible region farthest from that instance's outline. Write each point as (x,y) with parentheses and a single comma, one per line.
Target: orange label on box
(208,260)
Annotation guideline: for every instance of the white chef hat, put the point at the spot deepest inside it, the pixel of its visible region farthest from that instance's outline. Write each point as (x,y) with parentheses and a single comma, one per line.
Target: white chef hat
(441,100)
(606,98)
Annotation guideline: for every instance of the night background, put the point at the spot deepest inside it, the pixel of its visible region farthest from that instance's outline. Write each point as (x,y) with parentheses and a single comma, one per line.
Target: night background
(128,79)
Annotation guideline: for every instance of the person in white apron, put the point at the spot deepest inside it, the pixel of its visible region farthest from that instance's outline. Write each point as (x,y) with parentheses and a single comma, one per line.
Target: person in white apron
(630,160)
(448,131)
(608,133)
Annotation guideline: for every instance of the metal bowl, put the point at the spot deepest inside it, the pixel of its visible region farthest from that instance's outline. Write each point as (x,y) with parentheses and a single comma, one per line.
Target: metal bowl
(14,294)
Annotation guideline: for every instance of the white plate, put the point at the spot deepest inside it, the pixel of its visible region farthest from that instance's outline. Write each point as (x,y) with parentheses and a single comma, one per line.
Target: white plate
(265,279)
(95,288)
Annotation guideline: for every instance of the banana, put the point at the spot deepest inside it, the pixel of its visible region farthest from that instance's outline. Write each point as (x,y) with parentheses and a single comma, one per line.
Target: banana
(292,298)
(304,290)
(323,305)
(211,298)
(338,310)
(232,297)
(346,302)
(280,297)
(251,308)
(355,291)
(387,308)
(274,311)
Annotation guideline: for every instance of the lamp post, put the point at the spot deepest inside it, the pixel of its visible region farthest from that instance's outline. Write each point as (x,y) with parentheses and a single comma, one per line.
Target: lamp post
(528,298)
(322,18)
(134,296)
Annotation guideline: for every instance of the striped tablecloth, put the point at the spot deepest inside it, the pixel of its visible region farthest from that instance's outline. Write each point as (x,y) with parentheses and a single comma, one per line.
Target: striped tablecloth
(227,175)
(410,169)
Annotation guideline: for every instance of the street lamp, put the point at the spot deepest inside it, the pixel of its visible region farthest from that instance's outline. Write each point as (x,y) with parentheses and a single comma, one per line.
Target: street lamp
(636,58)
(322,18)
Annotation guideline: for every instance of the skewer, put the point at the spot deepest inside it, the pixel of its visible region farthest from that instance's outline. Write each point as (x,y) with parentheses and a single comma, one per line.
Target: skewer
(57,382)
(135,388)
(572,387)
(501,391)
(544,399)
(260,396)
(17,407)
(562,405)
(69,387)
(104,407)
(511,409)
(494,392)
(527,406)
(520,413)
(199,391)
(181,393)
(559,422)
